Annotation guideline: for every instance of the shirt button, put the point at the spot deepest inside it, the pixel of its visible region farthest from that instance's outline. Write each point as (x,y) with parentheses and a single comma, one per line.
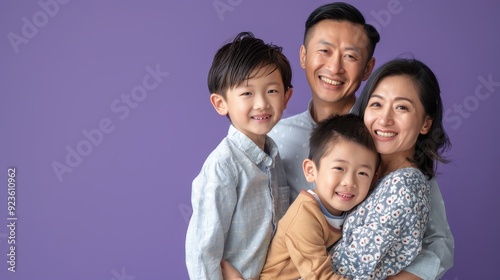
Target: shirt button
(265,158)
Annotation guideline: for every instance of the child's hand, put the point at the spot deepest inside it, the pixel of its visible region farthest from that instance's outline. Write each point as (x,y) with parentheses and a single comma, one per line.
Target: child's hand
(229,272)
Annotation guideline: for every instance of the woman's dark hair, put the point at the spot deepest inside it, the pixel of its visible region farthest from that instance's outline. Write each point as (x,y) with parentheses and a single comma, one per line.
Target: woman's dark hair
(429,147)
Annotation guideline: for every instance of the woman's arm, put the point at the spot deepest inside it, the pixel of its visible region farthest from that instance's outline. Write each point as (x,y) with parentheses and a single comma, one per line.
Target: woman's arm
(438,244)
(385,233)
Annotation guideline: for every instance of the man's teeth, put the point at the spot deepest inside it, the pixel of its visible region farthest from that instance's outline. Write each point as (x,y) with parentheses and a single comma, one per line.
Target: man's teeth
(385,134)
(329,81)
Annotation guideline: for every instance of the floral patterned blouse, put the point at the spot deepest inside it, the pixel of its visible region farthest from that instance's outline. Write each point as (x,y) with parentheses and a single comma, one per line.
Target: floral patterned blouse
(384,233)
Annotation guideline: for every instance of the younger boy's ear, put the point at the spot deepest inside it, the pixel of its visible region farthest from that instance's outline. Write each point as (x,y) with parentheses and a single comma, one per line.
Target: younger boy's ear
(309,169)
(219,104)
(288,94)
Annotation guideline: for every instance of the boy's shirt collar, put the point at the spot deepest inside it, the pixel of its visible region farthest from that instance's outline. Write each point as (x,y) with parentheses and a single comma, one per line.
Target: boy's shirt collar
(249,148)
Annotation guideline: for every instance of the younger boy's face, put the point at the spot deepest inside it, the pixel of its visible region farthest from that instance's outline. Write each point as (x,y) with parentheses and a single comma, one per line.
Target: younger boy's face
(344,176)
(256,105)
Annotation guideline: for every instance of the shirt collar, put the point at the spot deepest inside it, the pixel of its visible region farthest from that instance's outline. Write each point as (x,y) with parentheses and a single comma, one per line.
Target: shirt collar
(250,149)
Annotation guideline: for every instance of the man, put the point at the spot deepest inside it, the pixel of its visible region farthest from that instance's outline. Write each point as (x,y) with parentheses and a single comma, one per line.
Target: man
(337,55)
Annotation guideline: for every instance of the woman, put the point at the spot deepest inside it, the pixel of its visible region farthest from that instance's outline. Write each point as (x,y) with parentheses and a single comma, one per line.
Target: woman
(401,106)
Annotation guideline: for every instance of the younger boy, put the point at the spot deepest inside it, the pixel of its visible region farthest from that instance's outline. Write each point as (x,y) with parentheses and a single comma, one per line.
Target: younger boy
(342,162)
(241,193)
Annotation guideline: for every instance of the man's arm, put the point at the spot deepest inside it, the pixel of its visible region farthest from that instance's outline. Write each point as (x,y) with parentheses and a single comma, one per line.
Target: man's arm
(438,246)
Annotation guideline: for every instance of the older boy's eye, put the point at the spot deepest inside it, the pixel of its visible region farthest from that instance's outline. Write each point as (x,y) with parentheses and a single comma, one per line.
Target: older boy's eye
(246,93)
(272,91)
(338,168)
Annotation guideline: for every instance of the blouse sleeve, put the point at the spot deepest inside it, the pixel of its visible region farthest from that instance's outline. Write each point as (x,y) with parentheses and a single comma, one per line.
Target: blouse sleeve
(384,234)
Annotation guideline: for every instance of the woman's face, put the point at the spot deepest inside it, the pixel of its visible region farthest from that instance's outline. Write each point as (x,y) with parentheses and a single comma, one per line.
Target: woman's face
(395,117)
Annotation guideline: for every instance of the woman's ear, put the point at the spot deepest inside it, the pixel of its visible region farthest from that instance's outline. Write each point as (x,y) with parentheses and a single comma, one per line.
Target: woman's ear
(309,169)
(219,104)
(427,125)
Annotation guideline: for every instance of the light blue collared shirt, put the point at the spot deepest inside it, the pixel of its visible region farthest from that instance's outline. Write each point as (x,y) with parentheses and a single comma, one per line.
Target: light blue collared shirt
(237,199)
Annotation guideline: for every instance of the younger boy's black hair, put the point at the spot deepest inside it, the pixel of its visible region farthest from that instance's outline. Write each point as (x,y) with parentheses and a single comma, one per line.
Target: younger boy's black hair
(348,127)
(234,62)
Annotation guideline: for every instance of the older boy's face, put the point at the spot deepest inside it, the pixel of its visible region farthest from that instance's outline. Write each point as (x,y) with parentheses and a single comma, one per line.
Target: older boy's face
(335,59)
(343,177)
(256,105)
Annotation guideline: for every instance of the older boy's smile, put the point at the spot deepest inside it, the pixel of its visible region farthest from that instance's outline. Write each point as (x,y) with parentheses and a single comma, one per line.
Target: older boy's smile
(261,117)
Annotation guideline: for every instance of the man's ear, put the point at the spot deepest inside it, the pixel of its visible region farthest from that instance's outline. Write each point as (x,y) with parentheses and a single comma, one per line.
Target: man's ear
(427,125)
(309,169)
(302,56)
(368,68)
(288,94)
(219,104)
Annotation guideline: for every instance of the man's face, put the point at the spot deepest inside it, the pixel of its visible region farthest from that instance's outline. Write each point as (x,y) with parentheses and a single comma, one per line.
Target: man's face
(335,59)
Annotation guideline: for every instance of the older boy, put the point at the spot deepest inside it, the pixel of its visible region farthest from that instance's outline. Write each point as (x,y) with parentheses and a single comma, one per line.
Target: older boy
(337,55)
(241,192)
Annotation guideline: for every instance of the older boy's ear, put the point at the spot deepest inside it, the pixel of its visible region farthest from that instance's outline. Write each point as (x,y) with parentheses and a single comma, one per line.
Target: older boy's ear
(368,68)
(219,103)
(309,169)
(302,56)
(288,94)
(427,125)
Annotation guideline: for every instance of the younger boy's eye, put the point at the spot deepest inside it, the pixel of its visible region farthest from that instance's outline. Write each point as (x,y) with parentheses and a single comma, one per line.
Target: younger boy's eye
(364,174)
(338,168)
(272,91)
(246,93)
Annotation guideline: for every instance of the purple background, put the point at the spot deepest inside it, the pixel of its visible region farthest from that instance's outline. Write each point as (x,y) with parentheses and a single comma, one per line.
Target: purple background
(122,211)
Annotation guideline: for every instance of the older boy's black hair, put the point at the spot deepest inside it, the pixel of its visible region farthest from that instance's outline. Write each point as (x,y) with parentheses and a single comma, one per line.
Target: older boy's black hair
(430,146)
(341,11)
(348,127)
(234,62)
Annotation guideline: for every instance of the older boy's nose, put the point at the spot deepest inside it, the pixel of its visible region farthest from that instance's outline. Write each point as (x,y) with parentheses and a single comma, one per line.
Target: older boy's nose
(260,101)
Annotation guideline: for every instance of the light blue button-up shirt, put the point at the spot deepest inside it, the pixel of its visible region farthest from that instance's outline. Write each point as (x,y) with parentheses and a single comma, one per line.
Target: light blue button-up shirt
(237,199)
